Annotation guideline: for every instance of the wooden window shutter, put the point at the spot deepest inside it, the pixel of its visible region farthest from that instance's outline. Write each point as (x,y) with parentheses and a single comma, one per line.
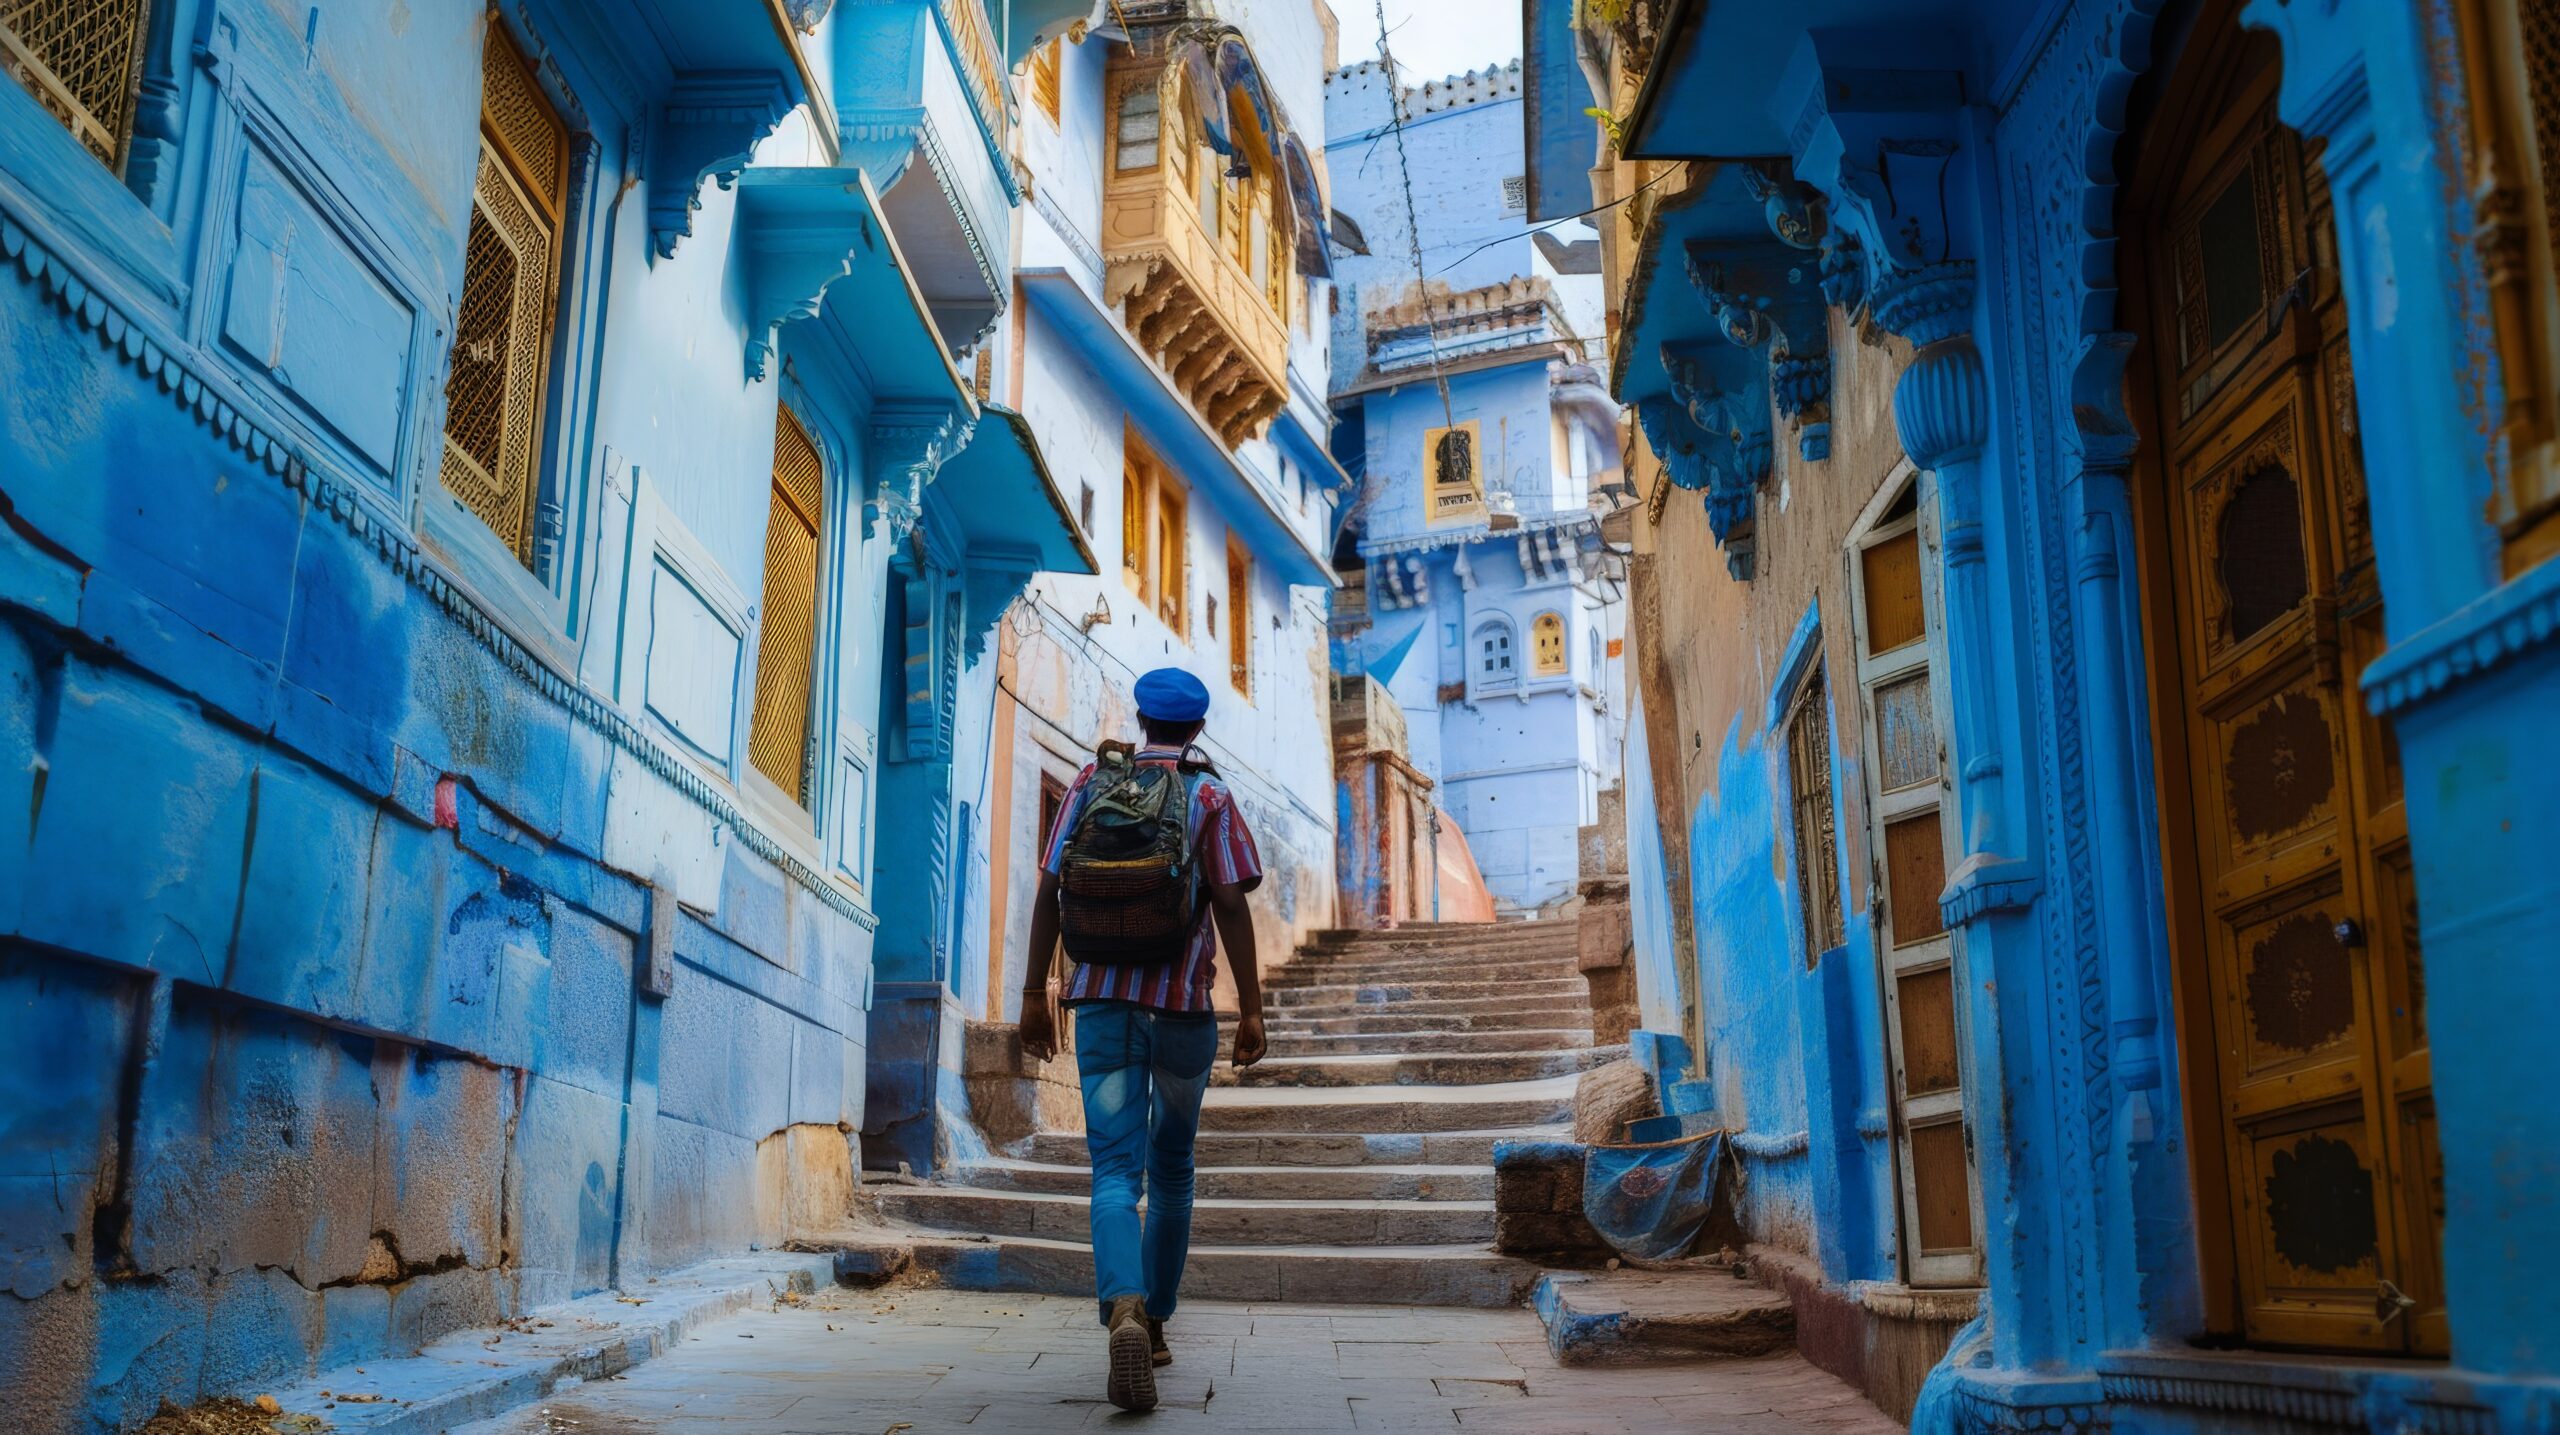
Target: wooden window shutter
(510,284)
(778,739)
(82,60)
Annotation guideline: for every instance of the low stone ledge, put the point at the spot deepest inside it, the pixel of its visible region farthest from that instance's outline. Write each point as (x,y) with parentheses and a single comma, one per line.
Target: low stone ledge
(1628,1317)
(476,1374)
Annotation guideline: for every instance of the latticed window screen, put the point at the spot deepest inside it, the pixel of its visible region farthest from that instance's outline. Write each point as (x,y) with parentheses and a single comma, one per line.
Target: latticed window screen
(778,738)
(1239,621)
(2540,22)
(510,282)
(82,61)
(1817,848)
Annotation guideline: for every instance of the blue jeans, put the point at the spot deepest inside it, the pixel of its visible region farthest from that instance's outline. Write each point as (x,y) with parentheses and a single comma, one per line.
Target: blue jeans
(1143,1073)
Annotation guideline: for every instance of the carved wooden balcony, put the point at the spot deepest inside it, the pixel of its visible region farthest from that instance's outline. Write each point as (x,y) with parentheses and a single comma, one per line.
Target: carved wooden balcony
(1191,306)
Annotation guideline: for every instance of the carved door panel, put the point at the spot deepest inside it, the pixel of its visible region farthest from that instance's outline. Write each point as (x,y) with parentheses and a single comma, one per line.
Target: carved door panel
(2303,943)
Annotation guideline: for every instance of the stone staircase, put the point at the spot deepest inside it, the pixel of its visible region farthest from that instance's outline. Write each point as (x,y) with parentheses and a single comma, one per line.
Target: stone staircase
(1353,1164)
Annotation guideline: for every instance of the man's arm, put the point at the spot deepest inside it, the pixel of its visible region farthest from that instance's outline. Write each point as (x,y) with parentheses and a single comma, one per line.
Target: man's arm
(1235,932)
(1039,1029)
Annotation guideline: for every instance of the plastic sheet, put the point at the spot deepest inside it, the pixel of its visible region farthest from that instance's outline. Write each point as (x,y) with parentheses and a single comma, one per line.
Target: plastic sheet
(1650,1202)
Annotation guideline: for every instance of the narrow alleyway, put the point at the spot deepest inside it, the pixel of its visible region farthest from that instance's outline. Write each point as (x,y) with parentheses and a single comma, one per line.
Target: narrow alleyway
(924,1361)
(1355,1163)
(1343,1276)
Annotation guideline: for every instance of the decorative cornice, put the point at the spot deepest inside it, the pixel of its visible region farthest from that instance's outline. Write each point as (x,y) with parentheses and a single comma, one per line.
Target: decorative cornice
(2489,632)
(707,129)
(201,397)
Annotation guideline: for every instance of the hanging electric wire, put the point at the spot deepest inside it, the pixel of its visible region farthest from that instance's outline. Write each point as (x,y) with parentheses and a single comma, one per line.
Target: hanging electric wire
(1412,217)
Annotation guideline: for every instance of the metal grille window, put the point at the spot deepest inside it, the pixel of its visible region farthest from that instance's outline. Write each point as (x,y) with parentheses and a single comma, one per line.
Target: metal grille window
(510,284)
(82,60)
(778,740)
(1817,850)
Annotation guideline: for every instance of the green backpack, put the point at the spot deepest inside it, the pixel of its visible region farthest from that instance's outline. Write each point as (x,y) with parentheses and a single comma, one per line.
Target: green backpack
(1129,882)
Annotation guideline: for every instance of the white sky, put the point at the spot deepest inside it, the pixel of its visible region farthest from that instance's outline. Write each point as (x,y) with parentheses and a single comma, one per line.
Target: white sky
(1432,38)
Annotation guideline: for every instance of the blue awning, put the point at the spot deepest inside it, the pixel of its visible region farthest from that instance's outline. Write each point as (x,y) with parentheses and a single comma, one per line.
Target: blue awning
(1001,490)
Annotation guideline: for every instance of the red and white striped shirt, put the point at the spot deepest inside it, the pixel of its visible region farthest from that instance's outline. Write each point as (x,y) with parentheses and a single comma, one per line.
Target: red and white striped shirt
(1226,854)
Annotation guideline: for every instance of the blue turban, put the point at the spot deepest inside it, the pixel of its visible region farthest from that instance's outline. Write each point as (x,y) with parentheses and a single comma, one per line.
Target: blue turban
(1171,695)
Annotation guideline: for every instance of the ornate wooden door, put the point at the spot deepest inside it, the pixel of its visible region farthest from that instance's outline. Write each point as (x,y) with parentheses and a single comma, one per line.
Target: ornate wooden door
(2301,938)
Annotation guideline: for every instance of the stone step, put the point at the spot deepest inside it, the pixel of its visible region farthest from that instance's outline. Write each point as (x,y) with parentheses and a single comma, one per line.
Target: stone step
(1397,1021)
(1427,1069)
(1560,945)
(1265,1110)
(1299,1042)
(1551,1008)
(1218,1222)
(1457,1275)
(1391,973)
(1450,931)
(1530,989)
(1219,1149)
(1626,1317)
(1251,1183)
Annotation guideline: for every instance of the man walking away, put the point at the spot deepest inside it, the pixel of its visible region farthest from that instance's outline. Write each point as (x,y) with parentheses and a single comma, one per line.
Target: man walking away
(1146,871)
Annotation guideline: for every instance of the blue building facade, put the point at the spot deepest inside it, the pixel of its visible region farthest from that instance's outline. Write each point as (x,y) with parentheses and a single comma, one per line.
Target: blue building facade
(2091,612)
(494,531)
(1487,448)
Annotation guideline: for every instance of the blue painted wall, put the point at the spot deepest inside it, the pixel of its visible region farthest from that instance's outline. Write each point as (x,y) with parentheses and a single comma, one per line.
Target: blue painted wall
(2011,396)
(393,936)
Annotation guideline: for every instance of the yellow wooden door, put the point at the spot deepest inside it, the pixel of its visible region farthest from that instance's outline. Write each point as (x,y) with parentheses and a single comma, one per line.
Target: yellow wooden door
(2302,935)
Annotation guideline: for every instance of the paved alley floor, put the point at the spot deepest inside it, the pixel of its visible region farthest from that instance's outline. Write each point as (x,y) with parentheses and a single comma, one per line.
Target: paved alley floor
(916,1362)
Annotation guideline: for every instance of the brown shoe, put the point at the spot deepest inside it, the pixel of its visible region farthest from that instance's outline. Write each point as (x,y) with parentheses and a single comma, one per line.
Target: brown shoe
(1133,1373)
(1155,1342)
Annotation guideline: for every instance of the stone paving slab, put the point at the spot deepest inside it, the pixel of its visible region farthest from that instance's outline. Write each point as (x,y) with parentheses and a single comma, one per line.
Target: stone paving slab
(924,1362)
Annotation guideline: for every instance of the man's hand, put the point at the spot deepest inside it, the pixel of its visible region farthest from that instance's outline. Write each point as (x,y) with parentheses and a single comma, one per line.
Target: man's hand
(1249,1040)
(1039,1030)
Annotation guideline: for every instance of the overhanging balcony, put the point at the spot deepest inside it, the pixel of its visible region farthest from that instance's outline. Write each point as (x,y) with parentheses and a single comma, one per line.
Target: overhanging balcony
(1191,306)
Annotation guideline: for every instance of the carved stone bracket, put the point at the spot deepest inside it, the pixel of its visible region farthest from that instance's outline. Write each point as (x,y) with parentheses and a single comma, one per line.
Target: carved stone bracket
(908,449)
(801,229)
(1767,295)
(1727,409)
(707,129)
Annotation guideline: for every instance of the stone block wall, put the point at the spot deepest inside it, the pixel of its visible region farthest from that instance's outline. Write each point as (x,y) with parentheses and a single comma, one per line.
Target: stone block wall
(1537,1204)
(324,1020)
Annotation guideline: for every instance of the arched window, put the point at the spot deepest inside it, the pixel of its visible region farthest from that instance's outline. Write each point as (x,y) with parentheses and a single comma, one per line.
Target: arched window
(1497,666)
(1546,645)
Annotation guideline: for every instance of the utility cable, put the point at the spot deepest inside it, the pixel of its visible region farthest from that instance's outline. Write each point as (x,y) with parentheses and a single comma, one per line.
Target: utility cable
(1413,217)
